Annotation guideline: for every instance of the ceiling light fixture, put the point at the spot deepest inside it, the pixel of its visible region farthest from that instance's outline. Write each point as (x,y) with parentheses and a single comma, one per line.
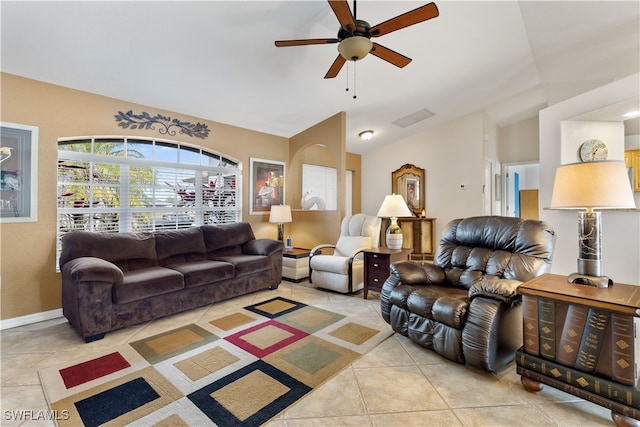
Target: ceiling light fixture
(355,48)
(366,134)
(631,114)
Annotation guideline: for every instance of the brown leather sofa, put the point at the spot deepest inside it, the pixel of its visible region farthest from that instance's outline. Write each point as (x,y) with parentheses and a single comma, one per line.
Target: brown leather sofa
(113,280)
(465,305)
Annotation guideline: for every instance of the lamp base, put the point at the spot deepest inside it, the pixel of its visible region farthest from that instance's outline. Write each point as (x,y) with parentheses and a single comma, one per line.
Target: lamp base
(595,281)
(589,259)
(394,235)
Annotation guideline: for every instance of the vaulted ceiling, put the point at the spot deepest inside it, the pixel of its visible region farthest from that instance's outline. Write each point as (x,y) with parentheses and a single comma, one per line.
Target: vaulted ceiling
(217,60)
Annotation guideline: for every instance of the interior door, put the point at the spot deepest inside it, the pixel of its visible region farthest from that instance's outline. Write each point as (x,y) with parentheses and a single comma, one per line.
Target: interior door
(529,204)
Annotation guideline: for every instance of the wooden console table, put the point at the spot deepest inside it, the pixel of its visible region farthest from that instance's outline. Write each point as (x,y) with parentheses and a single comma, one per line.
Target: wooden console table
(582,340)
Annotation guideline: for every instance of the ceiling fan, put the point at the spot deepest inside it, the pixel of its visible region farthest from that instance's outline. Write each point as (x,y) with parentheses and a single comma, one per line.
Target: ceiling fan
(354,36)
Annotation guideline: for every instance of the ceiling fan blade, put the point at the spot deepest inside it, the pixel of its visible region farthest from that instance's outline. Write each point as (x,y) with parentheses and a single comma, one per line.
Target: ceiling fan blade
(335,67)
(415,16)
(343,13)
(390,56)
(283,43)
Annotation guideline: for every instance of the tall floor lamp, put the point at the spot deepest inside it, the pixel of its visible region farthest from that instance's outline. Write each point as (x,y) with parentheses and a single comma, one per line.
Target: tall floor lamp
(280,214)
(393,206)
(589,186)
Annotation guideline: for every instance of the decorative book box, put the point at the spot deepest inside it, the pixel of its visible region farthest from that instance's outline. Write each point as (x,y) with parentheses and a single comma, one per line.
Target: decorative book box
(582,340)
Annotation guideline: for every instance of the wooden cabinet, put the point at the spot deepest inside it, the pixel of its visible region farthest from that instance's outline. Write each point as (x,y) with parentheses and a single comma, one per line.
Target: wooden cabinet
(418,235)
(582,340)
(632,160)
(376,266)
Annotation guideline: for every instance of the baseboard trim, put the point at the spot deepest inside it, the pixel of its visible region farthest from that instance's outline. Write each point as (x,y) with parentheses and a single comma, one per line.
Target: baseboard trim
(30,318)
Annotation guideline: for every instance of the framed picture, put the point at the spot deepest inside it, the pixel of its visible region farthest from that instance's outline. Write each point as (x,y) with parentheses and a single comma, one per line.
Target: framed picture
(18,172)
(409,182)
(267,185)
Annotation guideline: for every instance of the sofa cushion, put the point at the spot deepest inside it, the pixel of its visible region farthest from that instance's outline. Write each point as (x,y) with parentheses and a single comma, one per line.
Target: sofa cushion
(510,248)
(230,237)
(177,245)
(333,263)
(346,245)
(119,248)
(145,283)
(198,273)
(247,264)
(443,304)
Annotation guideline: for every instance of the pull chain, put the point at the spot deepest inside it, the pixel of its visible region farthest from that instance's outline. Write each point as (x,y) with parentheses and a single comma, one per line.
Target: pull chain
(347,75)
(354,80)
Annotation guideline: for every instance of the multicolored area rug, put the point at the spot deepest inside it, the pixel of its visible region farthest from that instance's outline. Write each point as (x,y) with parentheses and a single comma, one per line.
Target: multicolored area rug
(241,369)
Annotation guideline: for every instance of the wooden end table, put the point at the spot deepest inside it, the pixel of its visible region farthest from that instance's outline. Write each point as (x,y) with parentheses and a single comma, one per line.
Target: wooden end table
(377,263)
(583,340)
(295,264)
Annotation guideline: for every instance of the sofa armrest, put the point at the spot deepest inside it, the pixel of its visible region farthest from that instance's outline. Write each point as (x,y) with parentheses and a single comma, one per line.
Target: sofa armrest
(505,290)
(405,275)
(92,269)
(266,247)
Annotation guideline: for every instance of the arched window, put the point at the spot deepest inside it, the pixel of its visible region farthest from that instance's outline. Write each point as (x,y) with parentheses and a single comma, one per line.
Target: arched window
(120,184)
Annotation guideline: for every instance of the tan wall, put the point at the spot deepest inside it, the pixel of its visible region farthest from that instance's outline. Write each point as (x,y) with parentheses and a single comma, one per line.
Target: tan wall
(326,143)
(354,164)
(27,250)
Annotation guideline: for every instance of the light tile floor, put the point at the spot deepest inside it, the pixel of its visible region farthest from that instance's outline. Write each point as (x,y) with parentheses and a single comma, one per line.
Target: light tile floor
(396,384)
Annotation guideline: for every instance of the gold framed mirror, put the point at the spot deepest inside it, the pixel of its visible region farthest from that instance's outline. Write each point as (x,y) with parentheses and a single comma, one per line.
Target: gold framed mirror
(408,181)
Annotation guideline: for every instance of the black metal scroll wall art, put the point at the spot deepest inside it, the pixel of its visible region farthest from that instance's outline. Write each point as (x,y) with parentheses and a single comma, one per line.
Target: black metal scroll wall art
(146,121)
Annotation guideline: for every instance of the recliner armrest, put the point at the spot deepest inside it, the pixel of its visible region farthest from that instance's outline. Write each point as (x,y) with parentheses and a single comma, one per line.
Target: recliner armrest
(412,273)
(266,247)
(92,269)
(317,249)
(505,290)
(353,254)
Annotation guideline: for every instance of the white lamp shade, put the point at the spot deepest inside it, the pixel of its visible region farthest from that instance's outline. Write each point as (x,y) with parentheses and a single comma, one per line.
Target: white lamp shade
(599,185)
(394,206)
(280,214)
(355,48)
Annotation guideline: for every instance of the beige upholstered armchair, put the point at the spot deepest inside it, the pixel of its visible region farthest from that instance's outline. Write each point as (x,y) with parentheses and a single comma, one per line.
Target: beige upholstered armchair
(343,269)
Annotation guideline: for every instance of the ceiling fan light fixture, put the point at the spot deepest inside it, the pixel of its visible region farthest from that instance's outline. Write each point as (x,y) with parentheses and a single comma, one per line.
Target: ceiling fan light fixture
(366,134)
(355,48)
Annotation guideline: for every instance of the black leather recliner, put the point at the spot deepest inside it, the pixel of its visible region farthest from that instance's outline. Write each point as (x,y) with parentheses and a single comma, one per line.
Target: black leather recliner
(465,305)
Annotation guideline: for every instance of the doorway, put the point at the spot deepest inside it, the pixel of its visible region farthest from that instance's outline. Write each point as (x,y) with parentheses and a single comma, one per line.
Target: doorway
(520,179)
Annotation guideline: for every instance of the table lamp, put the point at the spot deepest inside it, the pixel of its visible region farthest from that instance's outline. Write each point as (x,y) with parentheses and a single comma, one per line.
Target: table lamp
(280,214)
(394,206)
(589,186)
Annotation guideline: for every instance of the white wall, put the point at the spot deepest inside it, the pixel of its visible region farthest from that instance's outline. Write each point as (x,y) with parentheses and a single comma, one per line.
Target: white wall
(621,229)
(574,133)
(452,155)
(519,142)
